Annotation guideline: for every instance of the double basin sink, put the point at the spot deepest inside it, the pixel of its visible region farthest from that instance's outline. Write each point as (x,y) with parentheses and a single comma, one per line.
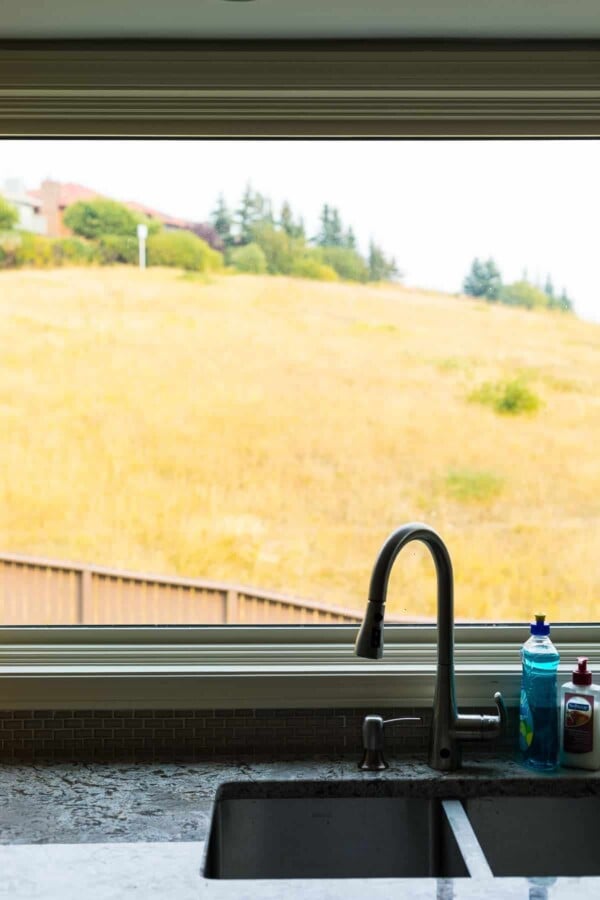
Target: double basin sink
(398,829)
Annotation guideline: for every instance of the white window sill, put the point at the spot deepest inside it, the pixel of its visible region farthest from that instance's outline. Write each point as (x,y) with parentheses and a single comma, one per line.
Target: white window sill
(229,667)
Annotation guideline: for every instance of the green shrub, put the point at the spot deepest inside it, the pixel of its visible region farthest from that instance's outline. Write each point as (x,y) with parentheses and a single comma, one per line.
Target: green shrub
(522,293)
(9,247)
(278,247)
(8,215)
(472,485)
(75,251)
(94,218)
(249,258)
(34,250)
(348,264)
(510,397)
(183,250)
(309,267)
(117,248)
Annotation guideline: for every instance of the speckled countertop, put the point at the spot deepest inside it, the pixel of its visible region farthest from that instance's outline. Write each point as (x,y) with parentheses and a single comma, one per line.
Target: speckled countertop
(132,829)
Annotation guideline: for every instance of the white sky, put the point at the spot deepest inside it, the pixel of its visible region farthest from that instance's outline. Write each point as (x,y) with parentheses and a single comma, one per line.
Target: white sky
(434,205)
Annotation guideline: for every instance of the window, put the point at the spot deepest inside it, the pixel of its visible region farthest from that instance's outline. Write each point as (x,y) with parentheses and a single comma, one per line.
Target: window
(376,91)
(329,339)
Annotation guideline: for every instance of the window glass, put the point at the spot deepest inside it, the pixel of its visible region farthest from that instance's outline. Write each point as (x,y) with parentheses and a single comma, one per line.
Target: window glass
(229,369)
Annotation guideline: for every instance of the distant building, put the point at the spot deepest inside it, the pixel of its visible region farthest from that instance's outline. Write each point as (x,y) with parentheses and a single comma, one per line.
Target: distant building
(42,210)
(170,223)
(27,206)
(54,198)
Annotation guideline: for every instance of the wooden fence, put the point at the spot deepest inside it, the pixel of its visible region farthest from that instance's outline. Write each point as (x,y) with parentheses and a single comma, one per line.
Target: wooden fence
(36,591)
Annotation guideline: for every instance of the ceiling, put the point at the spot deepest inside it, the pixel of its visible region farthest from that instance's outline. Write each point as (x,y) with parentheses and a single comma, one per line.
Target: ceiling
(223,19)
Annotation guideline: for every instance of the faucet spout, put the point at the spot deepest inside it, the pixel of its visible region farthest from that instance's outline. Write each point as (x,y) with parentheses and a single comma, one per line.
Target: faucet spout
(449,728)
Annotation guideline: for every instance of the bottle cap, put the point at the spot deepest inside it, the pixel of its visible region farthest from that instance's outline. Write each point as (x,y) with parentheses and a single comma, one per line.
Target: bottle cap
(582,675)
(539,627)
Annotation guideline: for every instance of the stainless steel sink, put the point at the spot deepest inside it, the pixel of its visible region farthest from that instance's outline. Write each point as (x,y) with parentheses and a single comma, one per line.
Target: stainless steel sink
(399,829)
(339,837)
(538,836)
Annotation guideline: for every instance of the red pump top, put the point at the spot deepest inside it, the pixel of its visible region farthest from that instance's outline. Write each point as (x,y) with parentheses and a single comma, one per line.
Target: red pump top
(582,675)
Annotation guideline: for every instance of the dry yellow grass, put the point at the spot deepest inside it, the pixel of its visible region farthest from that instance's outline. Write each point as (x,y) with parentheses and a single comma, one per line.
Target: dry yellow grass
(273,431)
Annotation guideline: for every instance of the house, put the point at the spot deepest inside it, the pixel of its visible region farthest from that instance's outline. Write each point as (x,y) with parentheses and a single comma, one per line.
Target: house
(53,198)
(42,209)
(27,206)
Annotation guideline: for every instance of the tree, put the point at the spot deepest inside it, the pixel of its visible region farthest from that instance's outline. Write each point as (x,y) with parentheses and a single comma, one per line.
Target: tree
(255,209)
(278,247)
(563,303)
(222,221)
(523,293)
(350,240)
(8,215)
(549,287)
(380,267)
(286,221)
(484,280)
(248,258)
(347,263)
(331,231)
(93,218)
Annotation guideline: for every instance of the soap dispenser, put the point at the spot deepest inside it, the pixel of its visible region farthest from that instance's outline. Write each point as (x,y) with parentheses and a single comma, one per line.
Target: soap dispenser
(580,719)
(538,732)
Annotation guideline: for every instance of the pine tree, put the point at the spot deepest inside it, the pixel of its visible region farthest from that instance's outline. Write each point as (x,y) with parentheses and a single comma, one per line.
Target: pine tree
(293,229)
(286,220)
(484,280)
(564,301)
(222,221)
(380,267)
(245,214)
(336,237)
(549,287)
(322,239)
(350,240)
(331,233)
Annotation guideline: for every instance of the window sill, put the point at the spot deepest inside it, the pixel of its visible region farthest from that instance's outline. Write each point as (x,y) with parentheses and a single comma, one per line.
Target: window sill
(294,667)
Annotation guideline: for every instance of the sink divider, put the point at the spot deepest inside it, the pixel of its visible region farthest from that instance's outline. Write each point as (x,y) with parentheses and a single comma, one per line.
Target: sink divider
(468,844)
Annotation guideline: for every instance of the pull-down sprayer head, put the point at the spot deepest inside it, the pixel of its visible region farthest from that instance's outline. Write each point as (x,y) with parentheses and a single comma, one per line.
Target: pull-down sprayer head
(369,641)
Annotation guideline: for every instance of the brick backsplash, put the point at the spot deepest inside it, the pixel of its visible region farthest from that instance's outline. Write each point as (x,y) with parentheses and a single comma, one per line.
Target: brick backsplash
(184,734)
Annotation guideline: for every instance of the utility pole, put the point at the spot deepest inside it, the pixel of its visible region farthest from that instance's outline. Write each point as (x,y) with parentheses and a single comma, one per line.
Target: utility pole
(142,233)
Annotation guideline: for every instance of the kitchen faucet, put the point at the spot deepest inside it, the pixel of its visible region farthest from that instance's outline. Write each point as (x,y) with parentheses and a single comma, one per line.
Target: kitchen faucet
(449,728)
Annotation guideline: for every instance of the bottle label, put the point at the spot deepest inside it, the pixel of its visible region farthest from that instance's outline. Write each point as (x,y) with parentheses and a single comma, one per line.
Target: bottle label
(526,724)
(578,725)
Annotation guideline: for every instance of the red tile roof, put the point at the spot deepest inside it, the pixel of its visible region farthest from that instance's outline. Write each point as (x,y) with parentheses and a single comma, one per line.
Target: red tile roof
(69,193)
(159,216)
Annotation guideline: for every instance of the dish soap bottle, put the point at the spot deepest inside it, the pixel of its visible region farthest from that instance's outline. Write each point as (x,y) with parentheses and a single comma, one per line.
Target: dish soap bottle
(538,732)
(580,720)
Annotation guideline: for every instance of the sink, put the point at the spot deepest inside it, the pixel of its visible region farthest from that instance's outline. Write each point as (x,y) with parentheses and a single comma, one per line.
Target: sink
(538,836)
(399,829)
(337,837)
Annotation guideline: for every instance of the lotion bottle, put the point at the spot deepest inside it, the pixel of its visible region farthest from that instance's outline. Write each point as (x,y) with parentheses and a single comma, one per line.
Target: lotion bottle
(580,720)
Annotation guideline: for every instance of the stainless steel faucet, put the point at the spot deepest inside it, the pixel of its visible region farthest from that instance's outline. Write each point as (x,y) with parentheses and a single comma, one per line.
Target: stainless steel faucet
(449,728)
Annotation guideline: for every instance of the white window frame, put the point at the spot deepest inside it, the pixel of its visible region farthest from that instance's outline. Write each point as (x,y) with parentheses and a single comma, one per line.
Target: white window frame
(343,89)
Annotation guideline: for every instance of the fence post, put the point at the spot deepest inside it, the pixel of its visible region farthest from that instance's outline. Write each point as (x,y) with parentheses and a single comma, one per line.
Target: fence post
(83,594)
(231,607)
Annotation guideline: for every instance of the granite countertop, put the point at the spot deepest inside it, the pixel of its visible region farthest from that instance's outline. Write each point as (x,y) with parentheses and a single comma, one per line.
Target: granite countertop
(114,831)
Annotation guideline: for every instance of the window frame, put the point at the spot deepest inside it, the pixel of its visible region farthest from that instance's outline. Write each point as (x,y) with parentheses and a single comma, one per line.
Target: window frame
(345,89)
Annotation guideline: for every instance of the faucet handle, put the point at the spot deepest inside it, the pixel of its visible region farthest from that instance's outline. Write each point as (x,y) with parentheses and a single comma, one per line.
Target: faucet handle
(502,714)
(372,733)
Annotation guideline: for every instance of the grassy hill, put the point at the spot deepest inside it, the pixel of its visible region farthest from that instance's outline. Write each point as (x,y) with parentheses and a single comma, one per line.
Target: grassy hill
(273,431)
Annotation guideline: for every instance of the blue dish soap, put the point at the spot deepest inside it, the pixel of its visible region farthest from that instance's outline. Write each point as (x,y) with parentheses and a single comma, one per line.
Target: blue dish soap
(538,732)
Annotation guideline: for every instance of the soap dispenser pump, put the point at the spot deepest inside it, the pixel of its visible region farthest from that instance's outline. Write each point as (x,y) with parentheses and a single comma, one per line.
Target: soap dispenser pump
(580,719)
